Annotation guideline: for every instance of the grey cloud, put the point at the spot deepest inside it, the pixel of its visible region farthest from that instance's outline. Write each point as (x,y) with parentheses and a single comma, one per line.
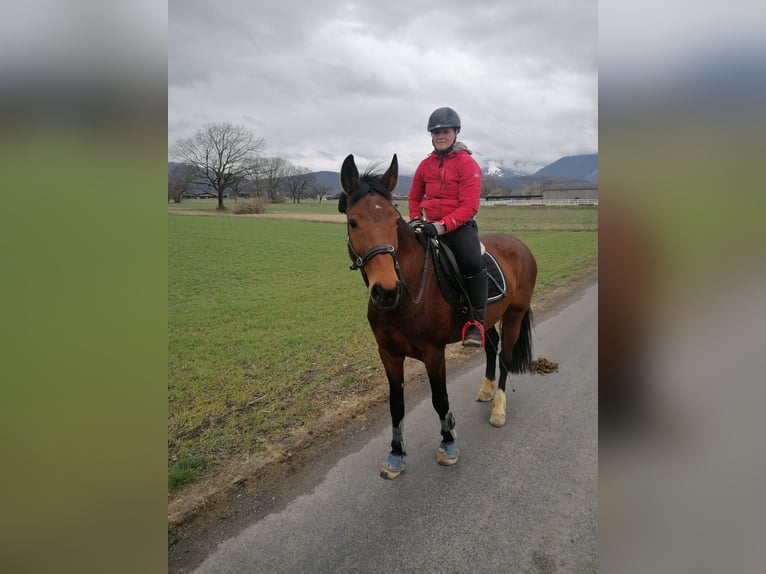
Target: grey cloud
(321,80)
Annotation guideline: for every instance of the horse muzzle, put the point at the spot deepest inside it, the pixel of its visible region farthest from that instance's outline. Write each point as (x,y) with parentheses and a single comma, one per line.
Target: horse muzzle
(385,299)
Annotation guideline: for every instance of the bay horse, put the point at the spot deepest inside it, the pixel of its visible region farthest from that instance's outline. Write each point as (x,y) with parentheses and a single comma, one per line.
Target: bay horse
(410,317)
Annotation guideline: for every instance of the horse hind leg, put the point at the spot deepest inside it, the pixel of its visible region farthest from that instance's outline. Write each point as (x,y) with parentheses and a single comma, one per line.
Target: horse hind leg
(487,389)
(497,413)
(517,337)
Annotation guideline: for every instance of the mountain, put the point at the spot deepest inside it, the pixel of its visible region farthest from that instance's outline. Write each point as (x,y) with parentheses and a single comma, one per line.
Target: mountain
(572,167)
(195,189)
(493,169)
(574,170)
(331,180)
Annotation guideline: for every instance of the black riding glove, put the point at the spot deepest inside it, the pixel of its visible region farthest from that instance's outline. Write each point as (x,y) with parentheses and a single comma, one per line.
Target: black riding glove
(429,230)
(416,224)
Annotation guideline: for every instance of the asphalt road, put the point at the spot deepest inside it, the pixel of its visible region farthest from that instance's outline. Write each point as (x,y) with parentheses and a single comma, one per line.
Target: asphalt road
(522,498)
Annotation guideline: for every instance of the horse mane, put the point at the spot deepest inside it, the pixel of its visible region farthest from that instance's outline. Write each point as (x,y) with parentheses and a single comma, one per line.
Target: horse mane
(369,183)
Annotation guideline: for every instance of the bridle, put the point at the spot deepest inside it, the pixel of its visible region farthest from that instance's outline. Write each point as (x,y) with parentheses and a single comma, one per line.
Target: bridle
(360,260)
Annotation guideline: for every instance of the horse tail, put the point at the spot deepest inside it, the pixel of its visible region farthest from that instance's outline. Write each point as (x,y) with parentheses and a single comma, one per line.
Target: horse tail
(521,356)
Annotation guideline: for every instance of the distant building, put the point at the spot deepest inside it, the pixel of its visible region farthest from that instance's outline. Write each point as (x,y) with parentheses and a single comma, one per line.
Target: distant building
(570,191)
(546,193)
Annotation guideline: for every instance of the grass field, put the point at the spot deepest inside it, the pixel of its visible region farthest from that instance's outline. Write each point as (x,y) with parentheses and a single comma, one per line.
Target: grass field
(267,326)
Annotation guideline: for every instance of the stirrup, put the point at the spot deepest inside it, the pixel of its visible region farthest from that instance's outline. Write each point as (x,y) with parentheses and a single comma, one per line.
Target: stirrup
(467,326)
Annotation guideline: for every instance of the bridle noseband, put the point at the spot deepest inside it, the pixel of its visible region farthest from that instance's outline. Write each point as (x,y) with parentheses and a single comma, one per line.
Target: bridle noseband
(360,260)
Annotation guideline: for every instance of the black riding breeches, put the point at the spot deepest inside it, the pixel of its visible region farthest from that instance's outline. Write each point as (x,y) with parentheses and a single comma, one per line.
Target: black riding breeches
(465,244)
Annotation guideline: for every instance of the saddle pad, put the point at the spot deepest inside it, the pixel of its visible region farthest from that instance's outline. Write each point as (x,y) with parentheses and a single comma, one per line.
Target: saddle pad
(496,285)
(497,288)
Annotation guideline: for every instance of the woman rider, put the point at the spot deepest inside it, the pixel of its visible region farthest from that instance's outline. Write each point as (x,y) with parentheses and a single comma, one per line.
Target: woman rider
(443,201)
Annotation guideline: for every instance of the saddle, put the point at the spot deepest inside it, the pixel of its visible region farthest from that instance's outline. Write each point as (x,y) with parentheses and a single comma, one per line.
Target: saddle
(450,278)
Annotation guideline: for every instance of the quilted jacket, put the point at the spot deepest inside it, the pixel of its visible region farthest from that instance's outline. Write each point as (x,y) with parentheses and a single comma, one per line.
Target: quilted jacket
(446,188)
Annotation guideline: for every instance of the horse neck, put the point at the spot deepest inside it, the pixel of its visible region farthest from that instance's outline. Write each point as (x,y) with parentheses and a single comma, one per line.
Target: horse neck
(410,253)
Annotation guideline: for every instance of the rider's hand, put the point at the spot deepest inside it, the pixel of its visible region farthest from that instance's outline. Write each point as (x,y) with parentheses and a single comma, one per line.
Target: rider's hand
(416,224)
(433,229)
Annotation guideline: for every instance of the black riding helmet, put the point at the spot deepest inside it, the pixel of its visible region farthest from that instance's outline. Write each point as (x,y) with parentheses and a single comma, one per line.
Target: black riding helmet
(444,118)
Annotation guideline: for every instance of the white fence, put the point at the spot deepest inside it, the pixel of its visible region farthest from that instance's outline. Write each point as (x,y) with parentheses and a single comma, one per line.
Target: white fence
(539,202)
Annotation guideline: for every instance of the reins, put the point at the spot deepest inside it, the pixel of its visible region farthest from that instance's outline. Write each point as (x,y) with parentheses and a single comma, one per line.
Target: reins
(416,300)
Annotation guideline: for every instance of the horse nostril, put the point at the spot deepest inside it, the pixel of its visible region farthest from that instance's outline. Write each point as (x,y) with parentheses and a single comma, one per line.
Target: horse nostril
(384,298)
(378,292)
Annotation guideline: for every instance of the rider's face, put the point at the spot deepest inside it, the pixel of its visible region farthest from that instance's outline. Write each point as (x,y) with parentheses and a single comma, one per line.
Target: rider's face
(443,138)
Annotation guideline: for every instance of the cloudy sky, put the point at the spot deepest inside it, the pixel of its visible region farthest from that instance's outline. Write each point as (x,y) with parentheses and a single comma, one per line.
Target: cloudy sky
(320,80)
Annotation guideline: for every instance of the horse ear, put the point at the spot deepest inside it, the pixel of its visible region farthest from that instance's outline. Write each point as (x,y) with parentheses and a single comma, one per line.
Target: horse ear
(349,175)
(391,177)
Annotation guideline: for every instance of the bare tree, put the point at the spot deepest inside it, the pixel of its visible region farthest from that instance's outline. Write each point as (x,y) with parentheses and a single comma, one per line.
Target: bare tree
(532,189)
(180,178)
(271,173)
(298,181)
(256,171)
(222,153)
(488,185)
(320,191)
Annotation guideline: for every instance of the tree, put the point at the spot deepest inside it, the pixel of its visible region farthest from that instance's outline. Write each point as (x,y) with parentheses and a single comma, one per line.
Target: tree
(533,189)
(488,184)
(270,173)
(298,181)
(180,178)
(320,191)
(222,153)
(256,171)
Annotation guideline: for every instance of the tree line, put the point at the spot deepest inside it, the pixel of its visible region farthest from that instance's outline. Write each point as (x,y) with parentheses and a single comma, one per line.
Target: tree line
(229,159)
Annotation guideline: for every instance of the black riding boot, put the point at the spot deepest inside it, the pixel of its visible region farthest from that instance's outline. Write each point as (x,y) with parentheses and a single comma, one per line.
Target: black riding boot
(473,331)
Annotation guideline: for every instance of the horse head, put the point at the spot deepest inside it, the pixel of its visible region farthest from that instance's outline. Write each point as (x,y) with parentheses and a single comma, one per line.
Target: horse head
(372,222)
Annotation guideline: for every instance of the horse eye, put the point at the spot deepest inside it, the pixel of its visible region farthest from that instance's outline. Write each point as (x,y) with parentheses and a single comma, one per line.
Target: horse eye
(352,223)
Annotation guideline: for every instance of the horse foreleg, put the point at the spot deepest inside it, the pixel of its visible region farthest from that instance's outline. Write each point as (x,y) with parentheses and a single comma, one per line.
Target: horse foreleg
(490,350)
(436,367)
(394,366)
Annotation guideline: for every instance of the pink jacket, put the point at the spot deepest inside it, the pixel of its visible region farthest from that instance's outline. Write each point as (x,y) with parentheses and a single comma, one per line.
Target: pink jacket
(449,194)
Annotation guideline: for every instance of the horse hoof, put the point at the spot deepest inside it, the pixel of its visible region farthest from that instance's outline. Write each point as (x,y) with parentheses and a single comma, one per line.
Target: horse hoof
(393,467)
(389,474)
(497,419)
(486,392)
(447,454)
(497,416)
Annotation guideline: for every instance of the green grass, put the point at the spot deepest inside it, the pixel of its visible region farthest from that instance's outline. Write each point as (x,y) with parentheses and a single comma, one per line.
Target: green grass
(564,240)
(267,326)
(206,204)
(265,320)
(560,256)
(186,471)
(553,218)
